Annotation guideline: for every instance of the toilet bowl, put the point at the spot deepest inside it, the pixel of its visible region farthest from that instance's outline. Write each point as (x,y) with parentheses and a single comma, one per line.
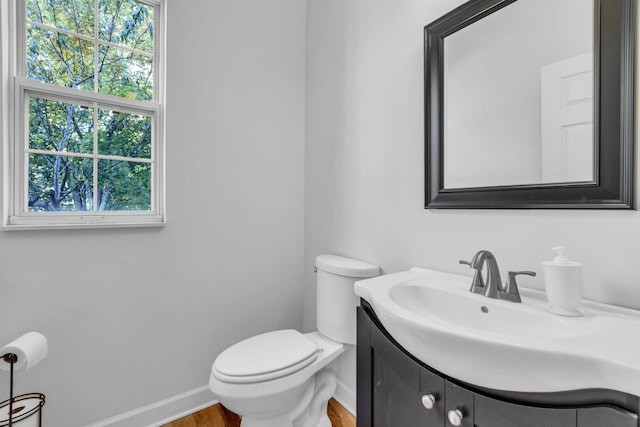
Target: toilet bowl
(281,395)
(283,378)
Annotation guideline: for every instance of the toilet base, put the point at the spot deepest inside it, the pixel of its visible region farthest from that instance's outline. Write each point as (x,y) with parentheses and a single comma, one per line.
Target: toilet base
(310,411)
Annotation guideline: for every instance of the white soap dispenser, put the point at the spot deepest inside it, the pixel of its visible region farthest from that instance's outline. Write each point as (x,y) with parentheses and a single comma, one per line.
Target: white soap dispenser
(562,282)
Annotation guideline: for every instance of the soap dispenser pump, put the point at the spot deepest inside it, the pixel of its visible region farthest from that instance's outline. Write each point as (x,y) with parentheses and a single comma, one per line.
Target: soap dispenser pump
(562,282)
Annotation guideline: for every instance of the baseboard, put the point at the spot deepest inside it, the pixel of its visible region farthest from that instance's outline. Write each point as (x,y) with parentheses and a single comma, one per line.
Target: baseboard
(346,397)
(162,411)
(184,404)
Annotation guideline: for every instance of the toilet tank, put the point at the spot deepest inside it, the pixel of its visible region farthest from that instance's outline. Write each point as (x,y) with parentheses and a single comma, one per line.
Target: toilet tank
(335,299)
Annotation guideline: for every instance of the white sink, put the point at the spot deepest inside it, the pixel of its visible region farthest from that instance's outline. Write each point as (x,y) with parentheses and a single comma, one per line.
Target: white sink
(441,301)
(505,345)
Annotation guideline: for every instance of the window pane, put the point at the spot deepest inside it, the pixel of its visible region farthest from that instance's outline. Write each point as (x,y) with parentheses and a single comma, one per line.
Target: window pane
(72,15)
(59,59)
(127,23)
(125,74)
(59,126)
(60,183)
(87,153)
(124,186)
(124,134)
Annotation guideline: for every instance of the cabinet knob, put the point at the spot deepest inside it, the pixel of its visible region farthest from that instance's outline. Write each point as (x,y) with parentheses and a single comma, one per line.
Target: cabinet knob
(455,417)
(428,400)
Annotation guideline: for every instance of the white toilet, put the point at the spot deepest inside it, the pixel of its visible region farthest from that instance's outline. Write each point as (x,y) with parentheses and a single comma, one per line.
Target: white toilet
(277,379)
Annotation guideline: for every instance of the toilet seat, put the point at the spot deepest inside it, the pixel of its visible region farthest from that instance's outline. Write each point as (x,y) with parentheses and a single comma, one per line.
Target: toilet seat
(265,357)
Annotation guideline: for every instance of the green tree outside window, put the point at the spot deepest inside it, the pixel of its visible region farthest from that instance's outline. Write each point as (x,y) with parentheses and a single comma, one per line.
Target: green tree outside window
(90,156)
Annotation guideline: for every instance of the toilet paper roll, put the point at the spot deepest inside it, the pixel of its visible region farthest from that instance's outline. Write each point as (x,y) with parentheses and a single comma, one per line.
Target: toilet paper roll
(30,348)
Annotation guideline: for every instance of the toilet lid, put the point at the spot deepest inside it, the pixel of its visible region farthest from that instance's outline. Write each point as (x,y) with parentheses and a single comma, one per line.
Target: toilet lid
(266,356)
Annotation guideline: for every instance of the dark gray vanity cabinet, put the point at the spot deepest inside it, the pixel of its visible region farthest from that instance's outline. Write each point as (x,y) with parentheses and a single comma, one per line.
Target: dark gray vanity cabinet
(397,390)
(398,387)
(495,413)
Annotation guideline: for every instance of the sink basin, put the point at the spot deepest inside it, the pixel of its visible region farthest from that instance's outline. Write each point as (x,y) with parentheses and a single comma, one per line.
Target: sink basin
(450,305)
(504,345)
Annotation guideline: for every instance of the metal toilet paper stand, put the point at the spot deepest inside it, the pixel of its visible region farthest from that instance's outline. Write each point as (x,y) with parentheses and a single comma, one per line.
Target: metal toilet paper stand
(19,413)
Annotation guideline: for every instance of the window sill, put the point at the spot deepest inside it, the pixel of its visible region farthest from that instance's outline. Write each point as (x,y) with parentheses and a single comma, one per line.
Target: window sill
(26,224)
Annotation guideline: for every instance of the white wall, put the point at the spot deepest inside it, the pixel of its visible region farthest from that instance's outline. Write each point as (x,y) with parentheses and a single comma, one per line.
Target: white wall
(364,174)
(134,316)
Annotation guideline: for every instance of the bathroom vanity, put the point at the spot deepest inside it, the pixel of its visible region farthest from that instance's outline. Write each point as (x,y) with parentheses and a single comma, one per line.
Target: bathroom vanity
(397,389)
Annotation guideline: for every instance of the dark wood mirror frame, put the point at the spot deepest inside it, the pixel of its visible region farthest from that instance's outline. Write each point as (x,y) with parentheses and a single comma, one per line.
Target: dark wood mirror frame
(614,133)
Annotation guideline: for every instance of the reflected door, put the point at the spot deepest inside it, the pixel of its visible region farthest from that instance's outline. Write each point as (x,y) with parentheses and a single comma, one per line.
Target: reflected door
(567,120)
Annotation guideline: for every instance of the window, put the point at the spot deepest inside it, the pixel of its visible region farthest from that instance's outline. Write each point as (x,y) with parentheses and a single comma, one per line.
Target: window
(87,146)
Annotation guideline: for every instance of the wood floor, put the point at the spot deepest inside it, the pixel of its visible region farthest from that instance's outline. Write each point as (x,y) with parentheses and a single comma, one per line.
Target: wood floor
(219,416)
(339,416)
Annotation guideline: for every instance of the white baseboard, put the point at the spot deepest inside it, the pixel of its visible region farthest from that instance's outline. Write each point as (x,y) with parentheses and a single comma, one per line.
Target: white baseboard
(162,411)
(175,407)
(346,397)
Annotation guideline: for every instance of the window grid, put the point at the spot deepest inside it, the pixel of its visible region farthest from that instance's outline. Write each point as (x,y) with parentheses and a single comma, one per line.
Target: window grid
(95,155)
(26,88)
(96,42)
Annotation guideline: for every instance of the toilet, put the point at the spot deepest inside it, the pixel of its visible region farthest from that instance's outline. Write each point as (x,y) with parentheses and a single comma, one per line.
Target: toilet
(282,378)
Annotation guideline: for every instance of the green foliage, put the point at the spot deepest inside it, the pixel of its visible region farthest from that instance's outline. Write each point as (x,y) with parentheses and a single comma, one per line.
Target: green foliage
(121,61)
(127,23)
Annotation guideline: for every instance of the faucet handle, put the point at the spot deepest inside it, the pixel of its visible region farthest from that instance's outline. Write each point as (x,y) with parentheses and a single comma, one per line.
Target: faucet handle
(513,274)
(477,285)
(511,291)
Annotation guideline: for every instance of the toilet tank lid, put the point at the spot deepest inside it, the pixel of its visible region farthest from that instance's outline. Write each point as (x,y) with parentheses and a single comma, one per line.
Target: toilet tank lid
(344,266)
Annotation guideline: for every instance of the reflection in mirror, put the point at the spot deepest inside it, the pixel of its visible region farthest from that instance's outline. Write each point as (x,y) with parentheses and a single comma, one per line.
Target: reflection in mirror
(518,90)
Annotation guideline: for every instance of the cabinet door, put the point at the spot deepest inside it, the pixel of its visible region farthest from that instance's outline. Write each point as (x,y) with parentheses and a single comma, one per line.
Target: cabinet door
(606,416)
(364,385)
(496,413)
(460,399)
(395,402)
(396,385)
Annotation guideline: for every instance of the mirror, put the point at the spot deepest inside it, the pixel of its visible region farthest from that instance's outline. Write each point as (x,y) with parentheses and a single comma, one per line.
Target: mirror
(529,104)
(528,97)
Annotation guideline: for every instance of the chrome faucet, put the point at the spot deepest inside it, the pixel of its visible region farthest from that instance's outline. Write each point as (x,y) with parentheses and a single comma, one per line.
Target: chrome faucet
(493,287)
(493,282)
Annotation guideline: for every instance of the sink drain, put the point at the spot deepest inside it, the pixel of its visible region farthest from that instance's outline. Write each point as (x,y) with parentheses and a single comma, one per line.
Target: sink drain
(484,309)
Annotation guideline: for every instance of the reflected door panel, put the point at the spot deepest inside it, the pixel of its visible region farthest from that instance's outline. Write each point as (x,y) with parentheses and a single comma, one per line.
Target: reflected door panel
(567,120)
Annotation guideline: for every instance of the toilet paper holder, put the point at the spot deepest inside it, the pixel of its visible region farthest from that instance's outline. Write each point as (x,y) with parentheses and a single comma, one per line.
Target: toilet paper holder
(10,358)
(33,402)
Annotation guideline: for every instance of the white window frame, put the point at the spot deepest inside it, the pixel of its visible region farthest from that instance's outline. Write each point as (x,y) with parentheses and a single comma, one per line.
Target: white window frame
(16,90)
